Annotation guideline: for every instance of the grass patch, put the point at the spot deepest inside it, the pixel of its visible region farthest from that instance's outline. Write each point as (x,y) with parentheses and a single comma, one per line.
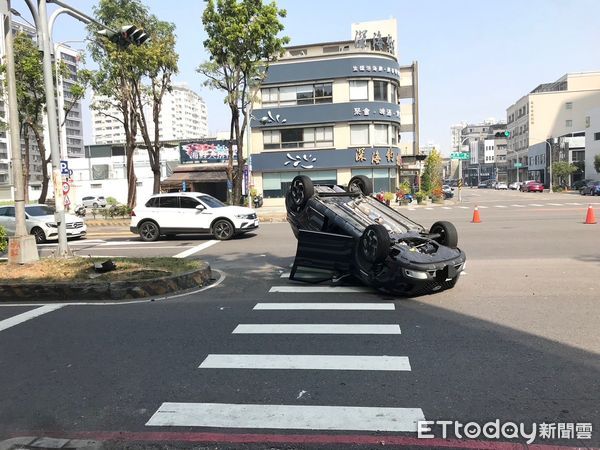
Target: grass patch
(82,269)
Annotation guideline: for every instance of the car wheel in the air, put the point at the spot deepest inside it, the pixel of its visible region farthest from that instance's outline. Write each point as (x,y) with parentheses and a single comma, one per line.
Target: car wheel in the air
(149,231)
(301,190)
(447,234)
(374,244)
(40,236)
(223,230)
(360,183)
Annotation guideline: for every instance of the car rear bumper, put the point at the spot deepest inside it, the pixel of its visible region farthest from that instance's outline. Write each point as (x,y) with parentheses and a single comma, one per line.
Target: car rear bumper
(134,230)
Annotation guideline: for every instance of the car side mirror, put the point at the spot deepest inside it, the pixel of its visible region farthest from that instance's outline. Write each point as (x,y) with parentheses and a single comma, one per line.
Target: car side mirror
(200,207)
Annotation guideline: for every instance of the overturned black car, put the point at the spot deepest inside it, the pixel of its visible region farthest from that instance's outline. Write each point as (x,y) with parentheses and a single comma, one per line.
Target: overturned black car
(346,232)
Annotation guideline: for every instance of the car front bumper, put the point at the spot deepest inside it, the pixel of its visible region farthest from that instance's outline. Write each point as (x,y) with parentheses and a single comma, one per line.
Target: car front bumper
(412,279)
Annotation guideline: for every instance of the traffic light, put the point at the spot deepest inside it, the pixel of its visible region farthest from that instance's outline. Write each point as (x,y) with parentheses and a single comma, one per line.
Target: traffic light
(507,134)
(502,134)
(128,34)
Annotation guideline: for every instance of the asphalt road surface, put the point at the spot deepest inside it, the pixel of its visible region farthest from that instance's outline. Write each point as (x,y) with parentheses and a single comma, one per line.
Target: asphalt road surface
(260,359)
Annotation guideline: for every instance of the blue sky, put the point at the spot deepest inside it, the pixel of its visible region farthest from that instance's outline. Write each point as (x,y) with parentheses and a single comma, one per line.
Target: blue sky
(475,58)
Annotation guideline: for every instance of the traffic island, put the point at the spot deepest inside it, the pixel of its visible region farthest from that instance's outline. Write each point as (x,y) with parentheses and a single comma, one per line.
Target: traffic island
(80,279)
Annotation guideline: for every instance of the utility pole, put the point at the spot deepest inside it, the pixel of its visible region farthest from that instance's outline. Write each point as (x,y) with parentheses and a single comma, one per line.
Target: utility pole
(21,247)
(59,215)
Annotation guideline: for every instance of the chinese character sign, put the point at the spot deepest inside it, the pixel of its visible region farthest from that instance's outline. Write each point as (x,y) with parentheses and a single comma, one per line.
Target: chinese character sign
(360,155)
(215,151)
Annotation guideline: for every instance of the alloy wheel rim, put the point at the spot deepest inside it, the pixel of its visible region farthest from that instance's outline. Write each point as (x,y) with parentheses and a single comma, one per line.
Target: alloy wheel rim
(148,231)
(298,192)
(223,230)
(370,244)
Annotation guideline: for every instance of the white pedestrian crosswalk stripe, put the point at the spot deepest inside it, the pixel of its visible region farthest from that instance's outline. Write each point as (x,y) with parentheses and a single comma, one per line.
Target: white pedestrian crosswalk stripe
(307,362)
(293,417)
(518,206)
(535,204)
(311,328)
(320,289)
(326,306)
(499,206)
(555,204)
(28,315)
(574,203)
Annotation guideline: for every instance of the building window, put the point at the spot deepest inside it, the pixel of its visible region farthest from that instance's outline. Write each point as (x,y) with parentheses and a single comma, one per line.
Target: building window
(568,123)
(569,105)
(381,134)
(359,90)
(380,91)
(298,138)
(359,134)
(597,136)
(383,179)
(297,95)
(323,93)
(278,183)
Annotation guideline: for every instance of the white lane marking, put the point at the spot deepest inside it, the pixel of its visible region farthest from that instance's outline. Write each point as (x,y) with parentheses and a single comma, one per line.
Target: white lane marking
(554,204)
(312,328)
(326,306)
(518,206)
(28,315)
(463,207)
(307,362)
(196,249)
(499,206)
(535,204)
(76,243)
(320,289)
(297,417)
(429,209)
(482,207)
(151,247)
(285,275)
(446,207)
(574,203)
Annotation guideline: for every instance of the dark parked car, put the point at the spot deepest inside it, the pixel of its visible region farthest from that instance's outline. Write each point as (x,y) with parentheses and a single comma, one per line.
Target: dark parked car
(591,188)
(580,184)
(344,231)
(532,186)
(448,192)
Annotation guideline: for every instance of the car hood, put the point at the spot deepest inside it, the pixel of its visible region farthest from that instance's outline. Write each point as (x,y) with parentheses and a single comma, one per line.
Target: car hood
(239,210)
(49,218)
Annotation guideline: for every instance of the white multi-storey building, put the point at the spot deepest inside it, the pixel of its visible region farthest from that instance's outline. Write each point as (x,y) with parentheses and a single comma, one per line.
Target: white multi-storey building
(183,116)
(71,130)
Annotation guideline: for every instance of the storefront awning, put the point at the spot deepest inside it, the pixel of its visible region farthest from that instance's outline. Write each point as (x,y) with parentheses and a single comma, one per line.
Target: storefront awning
(196,174)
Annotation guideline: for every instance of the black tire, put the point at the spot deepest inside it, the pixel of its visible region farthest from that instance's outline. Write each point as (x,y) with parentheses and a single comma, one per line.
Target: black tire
(38,233)
(95,205)
(149,231)
(448,235)
(223,230)
(360,183)
(301,190)
(374,244)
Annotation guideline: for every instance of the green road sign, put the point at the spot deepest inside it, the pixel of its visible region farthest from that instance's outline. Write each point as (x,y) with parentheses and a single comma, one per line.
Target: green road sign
(518,165)
(460,155)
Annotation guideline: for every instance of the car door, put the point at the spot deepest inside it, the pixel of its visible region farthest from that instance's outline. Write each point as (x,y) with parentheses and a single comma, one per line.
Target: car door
(168,216)
(191,218)
(7,219)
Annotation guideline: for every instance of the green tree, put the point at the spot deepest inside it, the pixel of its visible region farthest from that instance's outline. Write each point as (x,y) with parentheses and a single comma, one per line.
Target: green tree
(431,179)
(118,74)
(3,240)
(31,103)
(158,60)
(597,163)
(242,41)
(561,170)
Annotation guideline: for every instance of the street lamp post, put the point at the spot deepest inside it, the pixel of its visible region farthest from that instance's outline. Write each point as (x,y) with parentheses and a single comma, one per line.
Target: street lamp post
(460,170)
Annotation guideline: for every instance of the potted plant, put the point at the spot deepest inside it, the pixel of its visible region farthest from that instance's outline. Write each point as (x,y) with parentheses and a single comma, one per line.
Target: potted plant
(437,195)
(420,196)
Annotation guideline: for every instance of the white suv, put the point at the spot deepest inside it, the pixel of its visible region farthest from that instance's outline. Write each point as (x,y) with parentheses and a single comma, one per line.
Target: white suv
(190,213)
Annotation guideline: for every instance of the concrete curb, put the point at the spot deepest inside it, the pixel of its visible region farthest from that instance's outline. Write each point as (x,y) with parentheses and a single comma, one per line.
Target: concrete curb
(93,223)
(116,290)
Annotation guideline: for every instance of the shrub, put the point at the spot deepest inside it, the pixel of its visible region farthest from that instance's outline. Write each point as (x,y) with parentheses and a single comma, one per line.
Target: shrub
(420,196)
(111,201)
(388,196)
(3,240)
(405,187)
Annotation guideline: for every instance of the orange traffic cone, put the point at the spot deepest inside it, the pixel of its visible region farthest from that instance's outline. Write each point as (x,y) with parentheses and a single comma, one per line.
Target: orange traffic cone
(590,218)
(476,218)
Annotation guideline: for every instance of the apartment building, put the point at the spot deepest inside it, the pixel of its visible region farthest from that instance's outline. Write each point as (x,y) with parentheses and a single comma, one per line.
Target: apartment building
(70,132)
(542,120)
(334,110)
(487,146)
(183,116)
